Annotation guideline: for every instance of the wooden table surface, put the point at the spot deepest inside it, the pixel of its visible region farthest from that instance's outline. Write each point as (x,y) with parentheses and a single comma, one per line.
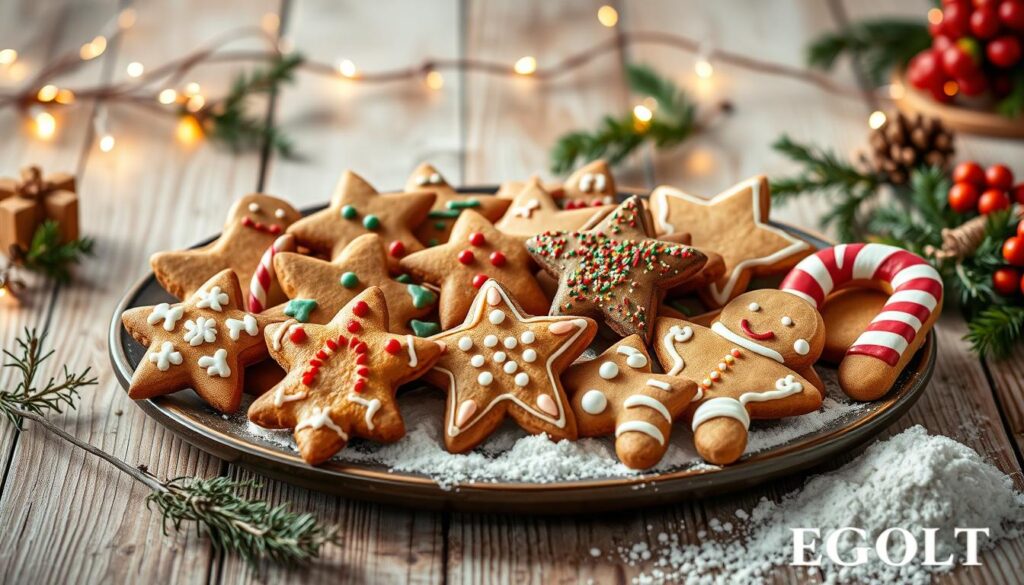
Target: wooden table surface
(67,517)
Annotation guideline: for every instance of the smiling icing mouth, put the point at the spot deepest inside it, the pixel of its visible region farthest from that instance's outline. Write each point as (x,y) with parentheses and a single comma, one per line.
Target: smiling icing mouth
(272,229)
(745,326)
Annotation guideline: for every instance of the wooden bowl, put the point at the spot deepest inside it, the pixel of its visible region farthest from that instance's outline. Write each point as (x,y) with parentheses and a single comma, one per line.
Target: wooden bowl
(957,117)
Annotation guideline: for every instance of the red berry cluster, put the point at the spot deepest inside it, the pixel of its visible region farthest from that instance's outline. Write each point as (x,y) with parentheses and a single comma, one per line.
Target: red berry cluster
(976,45)
(1008,280)
(983,190)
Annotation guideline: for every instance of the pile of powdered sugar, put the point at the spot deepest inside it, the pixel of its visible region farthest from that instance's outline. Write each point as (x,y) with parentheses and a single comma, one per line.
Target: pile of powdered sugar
(912,481)
(511,455)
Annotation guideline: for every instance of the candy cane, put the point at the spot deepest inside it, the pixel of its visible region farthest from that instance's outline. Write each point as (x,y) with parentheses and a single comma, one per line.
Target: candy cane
(264,275)
(913,305)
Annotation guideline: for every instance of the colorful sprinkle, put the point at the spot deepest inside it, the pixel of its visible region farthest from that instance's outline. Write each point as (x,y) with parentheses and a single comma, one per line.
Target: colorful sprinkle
(466,257)
(371,222)
(298,335)
(349,280)
(477,239)
(393,346)
(497,259)
(349,212)
(467,204)
(479,280)
(396,249)
(360,309)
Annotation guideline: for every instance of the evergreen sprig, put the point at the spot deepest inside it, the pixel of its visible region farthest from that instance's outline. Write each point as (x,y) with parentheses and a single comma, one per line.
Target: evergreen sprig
(250,528)
(229,122)
(52,397)
(674,121)
(995,330)
(1012,106)
(878,45)
(48,255)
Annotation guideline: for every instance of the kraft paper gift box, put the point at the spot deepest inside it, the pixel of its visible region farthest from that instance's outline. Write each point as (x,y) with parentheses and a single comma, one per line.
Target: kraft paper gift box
(26,201)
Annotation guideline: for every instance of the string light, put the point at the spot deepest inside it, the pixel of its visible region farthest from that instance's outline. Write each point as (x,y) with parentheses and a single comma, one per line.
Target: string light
(8,57)
(950,88)
(188,131)
(526,65)
(347,69)
(191,89)
(935,16)
(270,22)
(46,125)
(135,69)
(642,113)
(434,80)
(126,18)
(65,97)
(876,120)
(47,93)
(195,103)
(93,48)
(607,16)
(107,143)
(167,97)
(703,68)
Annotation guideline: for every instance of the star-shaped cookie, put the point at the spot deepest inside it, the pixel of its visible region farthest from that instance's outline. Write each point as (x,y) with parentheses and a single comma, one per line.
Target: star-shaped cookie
(616,393)
(331,285)
(476,251)
(203,343)
(616,270)
(449,205)
(534,211)
(734,224)
(357,208)
(341,378)
(253,223)
(501,361)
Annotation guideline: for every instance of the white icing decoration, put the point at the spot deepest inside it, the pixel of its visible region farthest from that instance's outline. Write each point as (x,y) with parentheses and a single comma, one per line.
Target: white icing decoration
(410,342)
(372,406)
(640,426)
(745,343)
(634,359)
(676,334)
(787,322)
(529,356)
(490,341)
(166,357)
(213,299)
(528,337)
(526,210)
(216,364)
(510,342)
(280,397)
(281,332)
(279,213)
(247,324)
(318,418)
(496,317)
(652,403)
(754,307)
(522,379)
(499,357)
(659,385)
(736,408)
(485,378)
(254,207)
(477,361)
(594,402)
(200,331)
(600,182)
(510,367)
(166,313)
(587,182)
(608,370)
(801,347)
(465,343)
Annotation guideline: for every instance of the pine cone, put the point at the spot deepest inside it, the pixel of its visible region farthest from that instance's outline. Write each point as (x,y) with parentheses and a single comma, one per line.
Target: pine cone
(901,144)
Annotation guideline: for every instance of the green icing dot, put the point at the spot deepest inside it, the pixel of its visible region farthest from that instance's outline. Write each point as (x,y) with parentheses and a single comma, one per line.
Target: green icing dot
(403,278)
(432,242)
(440,226)
(371,222)
(421,297)
(349,212)
(444,213)
(424,328)
(467,204)
(349,280)
(299,309)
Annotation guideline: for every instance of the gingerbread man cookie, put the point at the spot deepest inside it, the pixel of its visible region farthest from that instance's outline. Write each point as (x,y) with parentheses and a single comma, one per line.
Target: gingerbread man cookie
(590,186)
(357,208)
(476,252)
(734,224)
(615,271)
(748,365)
(534,211)
(254,223)
(890,340)
(203,343)
(617,393)
(449,205)
(326,287)
(501,361)
(341,378)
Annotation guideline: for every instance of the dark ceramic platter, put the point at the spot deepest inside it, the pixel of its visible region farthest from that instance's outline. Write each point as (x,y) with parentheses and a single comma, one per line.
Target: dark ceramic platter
(228,438)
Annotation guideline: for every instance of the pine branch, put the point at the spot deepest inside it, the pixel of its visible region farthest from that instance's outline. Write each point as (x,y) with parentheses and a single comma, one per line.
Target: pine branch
(616,137)
(56,394)
(996,330)
(48,255)
(879,46)
(1012,106)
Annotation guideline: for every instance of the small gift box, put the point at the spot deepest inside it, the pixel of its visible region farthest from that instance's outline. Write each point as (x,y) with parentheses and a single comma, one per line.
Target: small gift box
(27,201)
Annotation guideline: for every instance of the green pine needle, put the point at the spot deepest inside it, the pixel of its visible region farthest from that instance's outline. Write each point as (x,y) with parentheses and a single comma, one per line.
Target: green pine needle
(1012,106)
(617,136)
(250,528)
(996,330)
(878,45)
(46,253)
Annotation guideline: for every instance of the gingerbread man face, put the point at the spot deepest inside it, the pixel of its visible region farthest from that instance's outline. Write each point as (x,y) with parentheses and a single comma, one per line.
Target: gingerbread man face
(782,326)
(263,213)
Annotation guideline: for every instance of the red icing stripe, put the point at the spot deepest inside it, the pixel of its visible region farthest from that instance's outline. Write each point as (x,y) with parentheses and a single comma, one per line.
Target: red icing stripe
(898,327)
(896,262)
(928,285)
(886,354)
(801,281)
(920,311)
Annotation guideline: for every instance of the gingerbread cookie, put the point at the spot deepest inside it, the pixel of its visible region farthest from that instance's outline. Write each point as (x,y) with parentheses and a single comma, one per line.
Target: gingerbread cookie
(617,393)
(203,343)
(590,186)
(534,211)
(341,378)
(254,223)
(747,366)
(615,271)
(476,252)
(879,354)
(449,204)
(734,224)
(325,287)
(357,208)
(501,361)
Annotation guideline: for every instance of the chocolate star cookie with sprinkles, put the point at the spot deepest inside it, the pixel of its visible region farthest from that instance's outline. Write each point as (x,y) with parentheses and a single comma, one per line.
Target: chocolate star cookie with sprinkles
(449,204)
(476,251)
(502,361)
(615,270)
(341,378)
(203,343)
(357,208)
(533,211)
(325,287)
(616,393)
(254,223)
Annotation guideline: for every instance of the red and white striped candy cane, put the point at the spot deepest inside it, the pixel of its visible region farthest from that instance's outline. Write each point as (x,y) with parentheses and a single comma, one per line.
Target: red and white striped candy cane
(913,305)
(264,276)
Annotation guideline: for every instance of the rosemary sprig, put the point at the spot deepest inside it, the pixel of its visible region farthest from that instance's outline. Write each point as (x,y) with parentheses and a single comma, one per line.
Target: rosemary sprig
(48,255)
(673,121)
(879,46)
(250,528)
